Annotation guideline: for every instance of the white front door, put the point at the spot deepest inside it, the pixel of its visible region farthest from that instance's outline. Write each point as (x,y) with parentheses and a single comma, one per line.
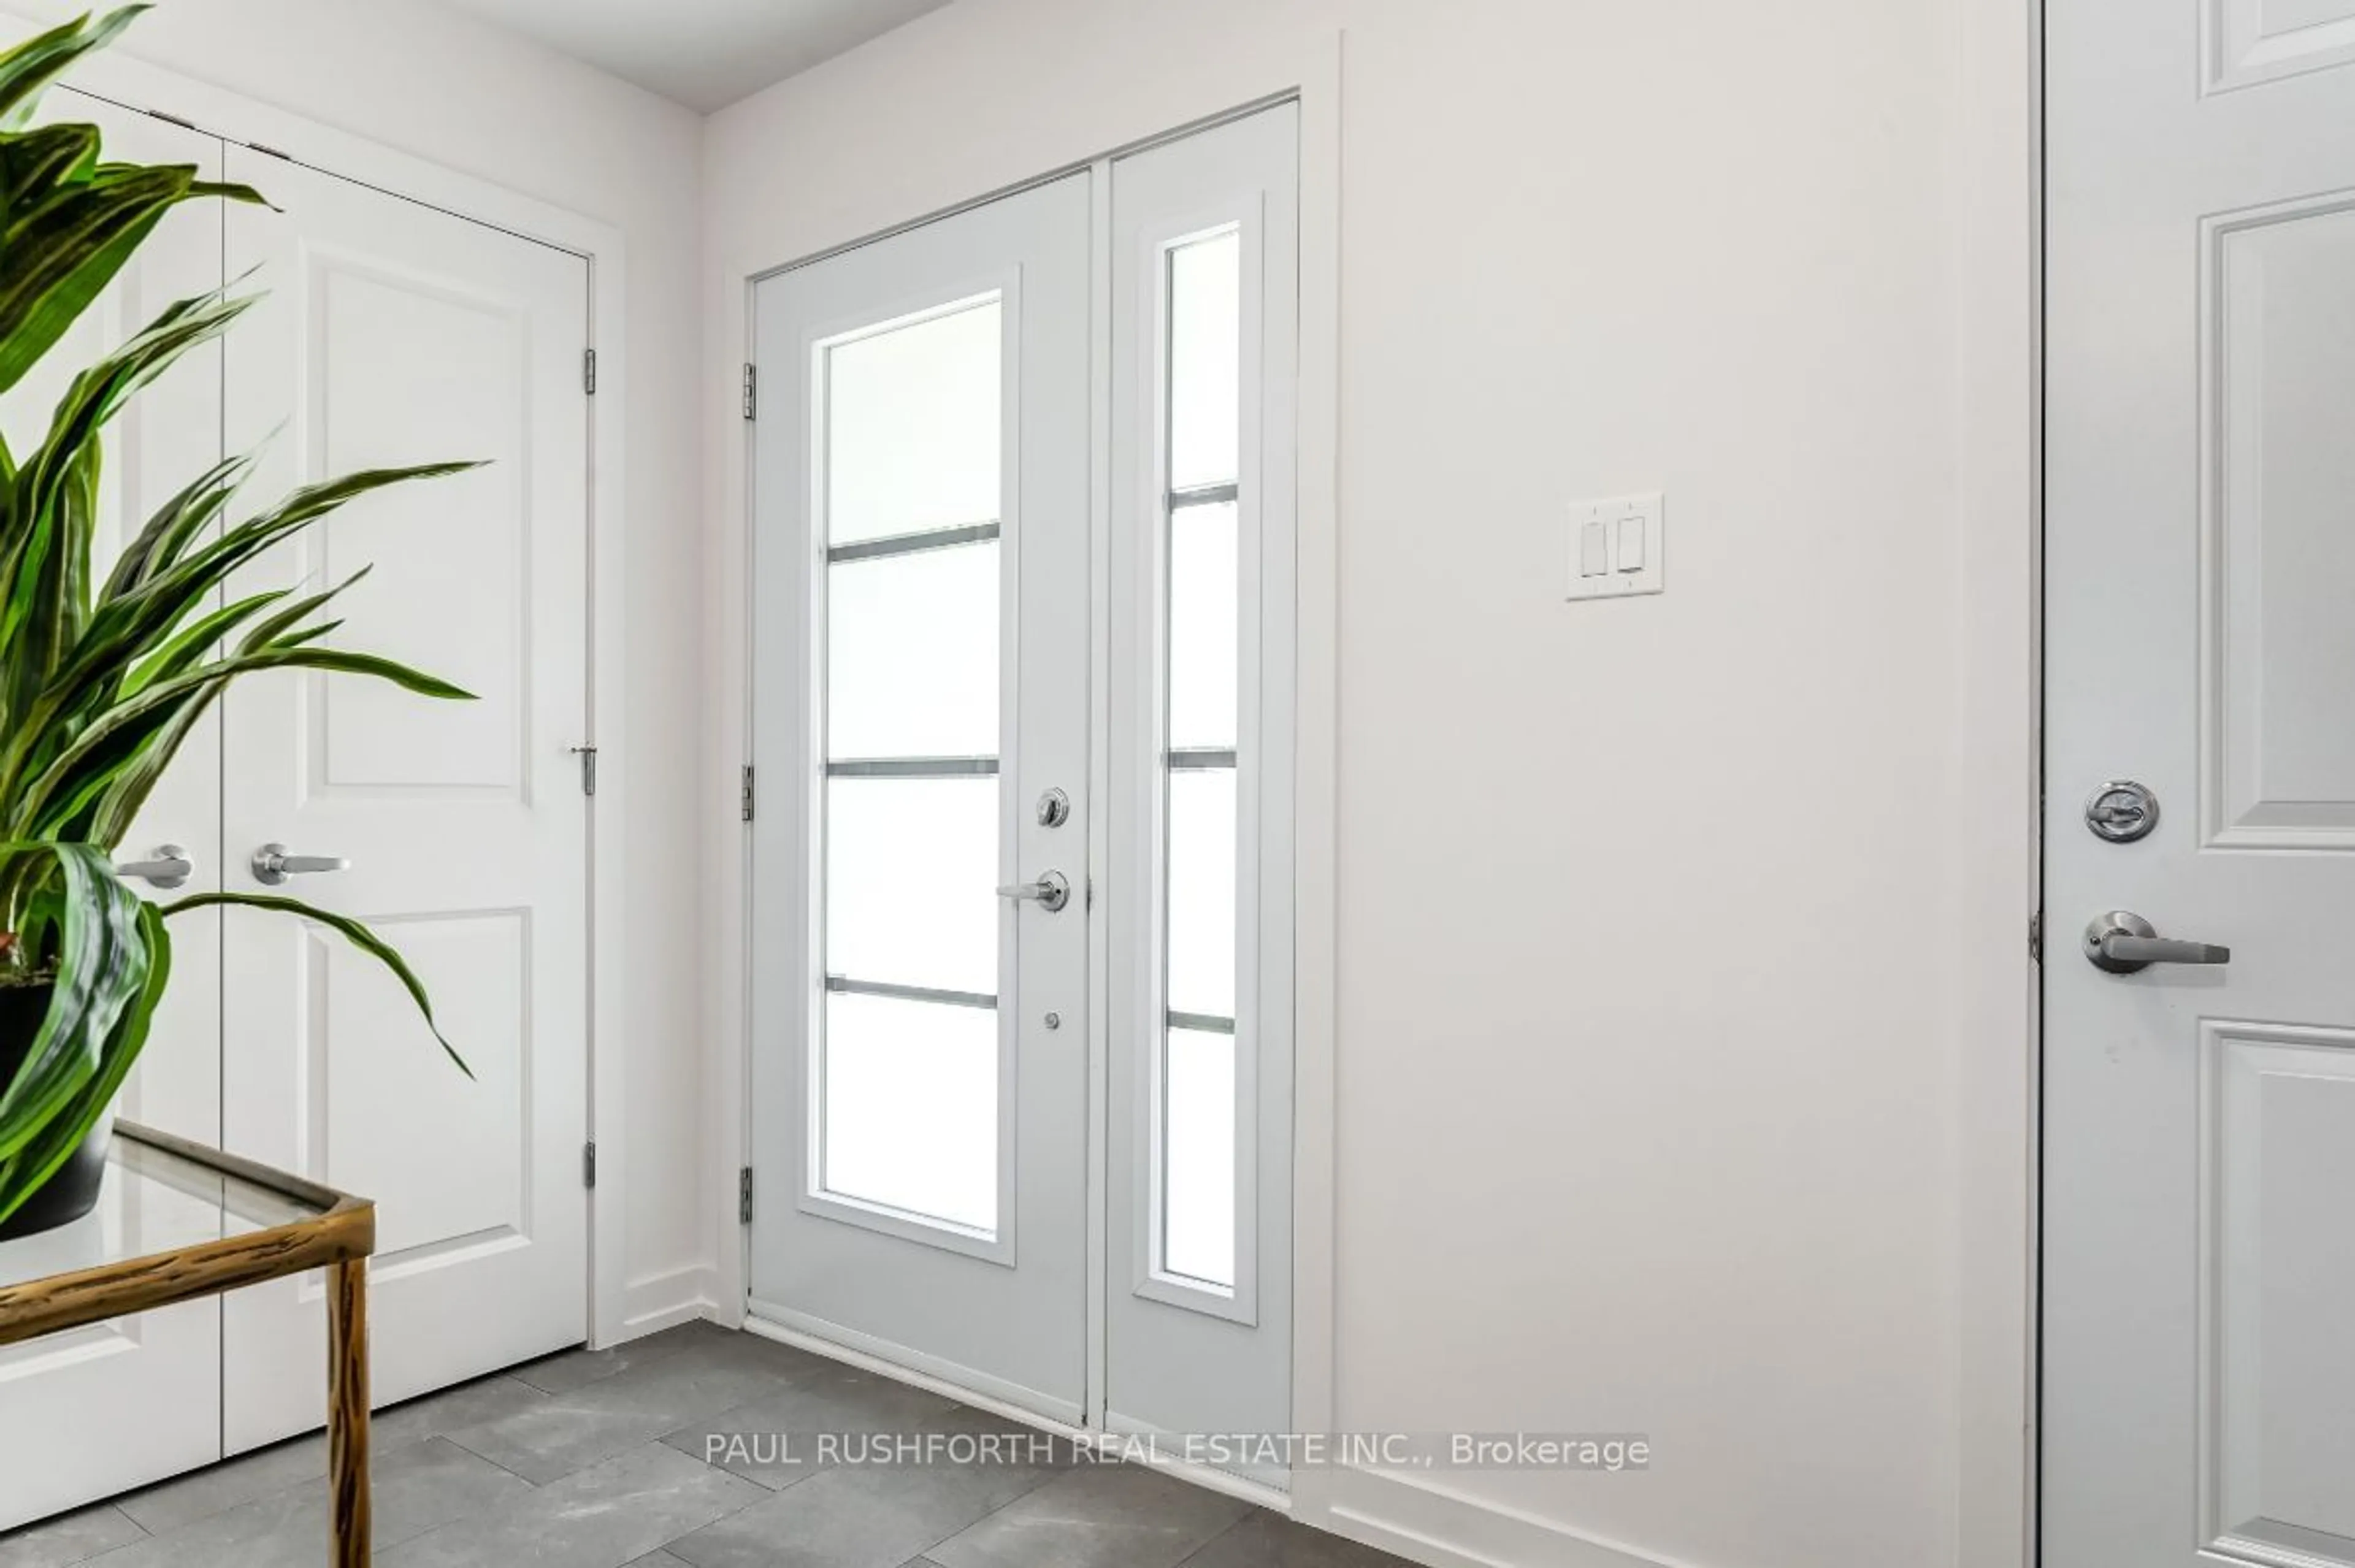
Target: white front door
(919,1067)
(2199,1385)
(396,334)
(111,1406)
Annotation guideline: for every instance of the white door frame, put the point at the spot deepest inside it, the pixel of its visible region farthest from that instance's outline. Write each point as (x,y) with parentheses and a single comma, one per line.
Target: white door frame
(1317,91)
(1997,167)
(135,85)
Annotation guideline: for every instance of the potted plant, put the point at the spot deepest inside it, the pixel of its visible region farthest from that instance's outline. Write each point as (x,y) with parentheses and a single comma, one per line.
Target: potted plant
(101,680)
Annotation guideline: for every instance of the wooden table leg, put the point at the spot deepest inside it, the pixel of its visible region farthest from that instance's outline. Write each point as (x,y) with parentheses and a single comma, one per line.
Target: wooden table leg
(348,1411)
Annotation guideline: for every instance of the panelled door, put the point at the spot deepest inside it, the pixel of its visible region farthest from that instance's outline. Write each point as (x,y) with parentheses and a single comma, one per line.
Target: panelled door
(2199,1243)
(394,333)
(921,644)
(120,1403)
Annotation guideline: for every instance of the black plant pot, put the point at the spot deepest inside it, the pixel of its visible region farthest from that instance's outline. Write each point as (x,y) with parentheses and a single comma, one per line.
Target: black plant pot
(72,1190)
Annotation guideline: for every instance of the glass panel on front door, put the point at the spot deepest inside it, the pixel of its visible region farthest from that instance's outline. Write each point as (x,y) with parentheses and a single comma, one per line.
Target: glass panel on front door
(909,436)
(1195,1131)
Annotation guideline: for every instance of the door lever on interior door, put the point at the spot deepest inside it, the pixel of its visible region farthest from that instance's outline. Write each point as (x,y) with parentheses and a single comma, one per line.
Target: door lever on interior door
(2125,943)
(273,865)
(167,866)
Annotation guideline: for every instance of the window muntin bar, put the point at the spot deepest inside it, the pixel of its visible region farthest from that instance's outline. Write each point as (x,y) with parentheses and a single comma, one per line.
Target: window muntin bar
(911,767)
(1199,759)
(911,544)
(850,987)
(1204,496)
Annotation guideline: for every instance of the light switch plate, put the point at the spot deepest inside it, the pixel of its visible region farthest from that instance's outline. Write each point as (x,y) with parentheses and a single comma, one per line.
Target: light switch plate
(1632,533)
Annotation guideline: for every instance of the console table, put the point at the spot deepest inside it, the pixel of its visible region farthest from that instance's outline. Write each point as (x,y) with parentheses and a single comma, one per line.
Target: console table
(253,1224)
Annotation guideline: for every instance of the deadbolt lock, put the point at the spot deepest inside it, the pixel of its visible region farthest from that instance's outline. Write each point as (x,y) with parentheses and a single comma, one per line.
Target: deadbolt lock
(2122,811)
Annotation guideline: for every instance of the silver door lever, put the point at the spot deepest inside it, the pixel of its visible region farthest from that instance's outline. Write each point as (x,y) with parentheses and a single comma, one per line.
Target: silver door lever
(273,865)
(169,867)
(2125,943)
(1050,892)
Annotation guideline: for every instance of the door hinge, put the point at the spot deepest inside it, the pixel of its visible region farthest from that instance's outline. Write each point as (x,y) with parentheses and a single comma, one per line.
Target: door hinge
(589,371)
(589,1163)
(744,1195)
(270,152)
(745,802)
(588,755)
(2036,937)
(751,392)
(172,119)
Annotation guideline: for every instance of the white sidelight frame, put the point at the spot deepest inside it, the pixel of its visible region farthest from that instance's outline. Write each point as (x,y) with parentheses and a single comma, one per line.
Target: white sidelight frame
(1266,630)
(809,583)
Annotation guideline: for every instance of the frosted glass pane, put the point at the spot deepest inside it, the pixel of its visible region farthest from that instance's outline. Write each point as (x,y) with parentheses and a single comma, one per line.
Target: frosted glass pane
(911,879)
(912,655)
(1203,892)
(912,427)
(1197,1172)
(1206,343)
(1205,591)
(912,1106)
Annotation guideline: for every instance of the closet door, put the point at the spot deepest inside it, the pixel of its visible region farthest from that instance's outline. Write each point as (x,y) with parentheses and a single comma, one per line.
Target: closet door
(393,333)
(94,1412)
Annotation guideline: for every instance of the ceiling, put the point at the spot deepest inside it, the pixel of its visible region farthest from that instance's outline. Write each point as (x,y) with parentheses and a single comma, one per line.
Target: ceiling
(705,54)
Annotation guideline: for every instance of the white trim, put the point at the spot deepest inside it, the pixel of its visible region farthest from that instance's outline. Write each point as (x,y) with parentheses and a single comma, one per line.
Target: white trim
(666,1300)
(1317,764)
(1998,174)
(1202,1475)
(137,86)
(1431,1523)
(1099,910)
(979,1389)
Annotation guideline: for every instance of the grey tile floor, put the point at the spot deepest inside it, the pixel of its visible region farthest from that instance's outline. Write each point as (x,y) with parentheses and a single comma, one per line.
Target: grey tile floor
(597,1460)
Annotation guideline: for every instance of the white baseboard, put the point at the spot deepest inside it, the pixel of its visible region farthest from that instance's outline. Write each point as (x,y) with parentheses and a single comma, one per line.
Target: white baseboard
(1436,1524)
(666,1300)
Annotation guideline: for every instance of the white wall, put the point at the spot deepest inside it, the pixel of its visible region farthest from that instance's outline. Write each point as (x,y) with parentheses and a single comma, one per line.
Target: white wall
(435,84)
(1649,1051)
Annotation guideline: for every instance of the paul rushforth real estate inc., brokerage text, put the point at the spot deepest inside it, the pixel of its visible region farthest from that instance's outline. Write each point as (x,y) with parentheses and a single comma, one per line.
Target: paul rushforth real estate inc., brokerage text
(1601,1452)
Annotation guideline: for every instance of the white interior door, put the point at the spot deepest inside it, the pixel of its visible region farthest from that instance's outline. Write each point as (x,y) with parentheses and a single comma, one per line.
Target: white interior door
(921,606)
(2199,1117)
(394,333)
(109,1407)
(1205,291)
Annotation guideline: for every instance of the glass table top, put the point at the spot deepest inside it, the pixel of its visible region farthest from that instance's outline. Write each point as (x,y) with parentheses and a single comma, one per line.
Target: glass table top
(156,1197)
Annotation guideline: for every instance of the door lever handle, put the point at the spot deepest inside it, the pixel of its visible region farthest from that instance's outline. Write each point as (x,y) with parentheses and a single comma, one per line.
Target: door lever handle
(2125,943)
(1050,892)
(169,867)
(273,865)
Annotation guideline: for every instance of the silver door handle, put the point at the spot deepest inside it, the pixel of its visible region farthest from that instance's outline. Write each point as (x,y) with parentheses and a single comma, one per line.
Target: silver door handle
(170,868)
(273,865)
(1050,892)
(2125,943)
